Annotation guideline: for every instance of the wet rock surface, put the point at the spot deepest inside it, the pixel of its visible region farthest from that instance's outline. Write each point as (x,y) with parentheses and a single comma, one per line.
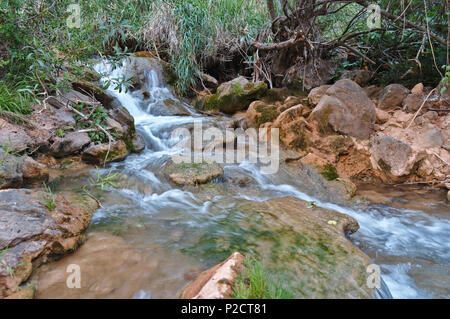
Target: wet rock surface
(233,96)
(30,233)
(192,174)
(327,264)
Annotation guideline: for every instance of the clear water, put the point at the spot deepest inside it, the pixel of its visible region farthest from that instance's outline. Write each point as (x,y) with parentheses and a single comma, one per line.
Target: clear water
(188,230)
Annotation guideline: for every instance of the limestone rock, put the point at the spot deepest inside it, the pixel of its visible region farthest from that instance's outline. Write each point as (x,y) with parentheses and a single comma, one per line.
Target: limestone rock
(32,233)
(233,96)
(98,153)
(392,97)
(345,109)
(192,173)
(216,282)
(72,143)
(316,94)
(392,156)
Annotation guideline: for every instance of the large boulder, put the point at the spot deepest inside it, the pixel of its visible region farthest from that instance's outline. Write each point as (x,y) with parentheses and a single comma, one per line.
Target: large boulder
(70,144)
(325,264)
(392,156)
(216,282)
(316,94)
(345,108)
(233,96)
(392,97)
(30,233)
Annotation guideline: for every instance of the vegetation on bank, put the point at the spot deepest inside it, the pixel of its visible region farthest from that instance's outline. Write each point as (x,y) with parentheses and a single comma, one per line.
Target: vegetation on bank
(40,53)
(255,282)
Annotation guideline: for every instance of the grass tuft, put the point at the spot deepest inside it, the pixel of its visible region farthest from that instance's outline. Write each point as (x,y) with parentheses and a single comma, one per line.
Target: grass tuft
(255,282)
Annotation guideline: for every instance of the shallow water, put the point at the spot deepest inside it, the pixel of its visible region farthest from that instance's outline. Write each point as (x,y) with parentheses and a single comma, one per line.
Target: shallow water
(151,238)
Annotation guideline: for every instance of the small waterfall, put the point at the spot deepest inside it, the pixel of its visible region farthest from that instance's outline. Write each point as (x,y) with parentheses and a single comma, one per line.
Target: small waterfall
(386,232)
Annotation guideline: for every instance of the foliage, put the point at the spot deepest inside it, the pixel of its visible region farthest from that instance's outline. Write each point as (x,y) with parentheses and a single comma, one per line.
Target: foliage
(329,172)
(48,198)
(255,282)
(94,115)
(104,181)
(446,80)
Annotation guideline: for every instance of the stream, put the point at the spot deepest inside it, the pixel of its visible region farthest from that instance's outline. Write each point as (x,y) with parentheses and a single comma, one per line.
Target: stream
(151,238)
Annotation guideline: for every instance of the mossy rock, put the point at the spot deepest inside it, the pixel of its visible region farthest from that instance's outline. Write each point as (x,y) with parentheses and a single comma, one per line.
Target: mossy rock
(233,96)
(192,173)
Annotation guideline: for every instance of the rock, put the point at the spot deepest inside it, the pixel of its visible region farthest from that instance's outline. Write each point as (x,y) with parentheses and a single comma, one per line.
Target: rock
(233,96)
(448,196)
(259,113)
(361,77)
(382,116)
(392,97)
(326,264)
(192,173)
(168,107)
(413,102)
(23,293)
(293,127)
(313,159)
(97,153)
(10,170)
(291,101)
(113,124)
(432,138)
(138,143)
(217,282)
(276,95)
(345,109)
(15,170)
(33,171)
(33,234)
(13,137)
(316,94)
(392,156)
(417,89)
(373,92)
(72,143)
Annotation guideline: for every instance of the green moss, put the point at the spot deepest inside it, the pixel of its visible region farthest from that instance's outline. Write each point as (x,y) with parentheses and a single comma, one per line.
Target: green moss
(268,114)
(329,172)
(169,74)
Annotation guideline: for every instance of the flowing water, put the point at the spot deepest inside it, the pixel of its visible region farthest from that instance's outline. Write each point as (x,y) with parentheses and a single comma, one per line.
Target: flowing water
(152,238)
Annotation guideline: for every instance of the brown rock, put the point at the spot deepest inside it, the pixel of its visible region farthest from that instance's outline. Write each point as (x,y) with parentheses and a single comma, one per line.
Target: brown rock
(259,113)
(361,77)
(392,156)
(217,282)
(345,109)
(417,89)
(192,173)
(392,97)
(382,116)
(32,233)
(72,143)
(316,94)
(98,153)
